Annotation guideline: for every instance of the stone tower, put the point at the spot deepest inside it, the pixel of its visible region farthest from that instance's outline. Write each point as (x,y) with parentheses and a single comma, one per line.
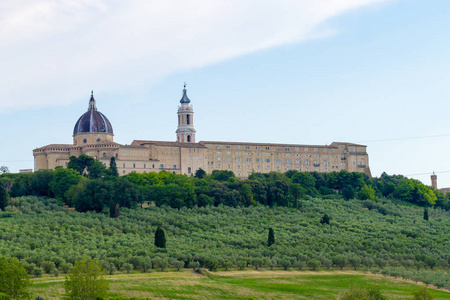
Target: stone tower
(434,181)
(185,131)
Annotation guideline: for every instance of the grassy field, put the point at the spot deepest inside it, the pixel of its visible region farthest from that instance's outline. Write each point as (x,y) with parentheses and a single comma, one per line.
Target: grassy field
(238,285)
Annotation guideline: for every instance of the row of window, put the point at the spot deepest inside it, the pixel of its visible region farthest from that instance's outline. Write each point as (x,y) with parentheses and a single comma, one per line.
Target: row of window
(279,168)
(268,148)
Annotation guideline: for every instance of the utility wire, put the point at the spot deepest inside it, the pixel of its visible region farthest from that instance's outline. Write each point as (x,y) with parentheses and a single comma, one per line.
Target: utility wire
(405,138)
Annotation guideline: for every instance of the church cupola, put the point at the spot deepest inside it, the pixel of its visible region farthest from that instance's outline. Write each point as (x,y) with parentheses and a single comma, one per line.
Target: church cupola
(185,131)
(92,126)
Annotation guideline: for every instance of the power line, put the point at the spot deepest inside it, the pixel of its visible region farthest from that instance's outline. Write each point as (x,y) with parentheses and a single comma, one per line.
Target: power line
(405,138)
(428,173)
(14,160)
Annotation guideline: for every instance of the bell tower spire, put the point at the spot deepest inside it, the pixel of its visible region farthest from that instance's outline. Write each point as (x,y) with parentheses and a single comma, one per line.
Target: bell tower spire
(185,131)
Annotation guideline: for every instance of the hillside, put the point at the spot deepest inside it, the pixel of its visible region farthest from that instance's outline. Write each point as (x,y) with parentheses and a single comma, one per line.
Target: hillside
(39,231)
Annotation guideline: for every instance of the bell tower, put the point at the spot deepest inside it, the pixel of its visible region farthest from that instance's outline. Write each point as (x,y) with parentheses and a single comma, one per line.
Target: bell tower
(185,131)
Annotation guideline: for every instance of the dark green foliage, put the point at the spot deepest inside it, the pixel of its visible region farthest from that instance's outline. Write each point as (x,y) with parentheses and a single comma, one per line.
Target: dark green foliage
(348,192)
(425,214)
(63,180)
(160,238)
(222,175)
(126,194)
(200,173)
(94,197)
(114,210)
(80,163)
(271,238)
(325,219)
(113,167)
(3,197)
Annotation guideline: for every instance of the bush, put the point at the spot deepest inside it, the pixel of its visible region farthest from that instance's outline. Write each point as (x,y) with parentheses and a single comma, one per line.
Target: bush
(422,294)
(358,293)
(14,281)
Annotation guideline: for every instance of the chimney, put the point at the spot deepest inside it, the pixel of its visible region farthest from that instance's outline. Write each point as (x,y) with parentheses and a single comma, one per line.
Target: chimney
(434,181)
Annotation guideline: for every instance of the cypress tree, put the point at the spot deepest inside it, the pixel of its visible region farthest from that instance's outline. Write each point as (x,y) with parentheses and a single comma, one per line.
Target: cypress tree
(113,167)
(114,210)
(325,219)
(3,197)
(271,239)
(425,214)
(160,238)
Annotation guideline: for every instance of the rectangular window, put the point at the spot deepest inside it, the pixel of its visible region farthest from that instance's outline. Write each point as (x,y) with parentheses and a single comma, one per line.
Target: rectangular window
(267,148)
(315,150)
(258,160)
(229,158)
(174,166)
(153,166)
(161,166)
(278,161)
(134,165)
(218,158)
(124,165)
(288,161)
(268,160)
(238,159)
(354,162)
(247,147)
(286,149)
(258,148)
(145,166)
(324,150)
(238,147)
(228,147)
(239,166)
(351,150)
(248,159)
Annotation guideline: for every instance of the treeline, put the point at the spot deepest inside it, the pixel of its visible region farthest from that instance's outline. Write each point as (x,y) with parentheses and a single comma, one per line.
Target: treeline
(88,185)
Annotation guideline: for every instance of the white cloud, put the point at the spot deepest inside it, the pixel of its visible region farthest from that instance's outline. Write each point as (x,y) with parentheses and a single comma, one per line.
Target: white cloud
(51,51)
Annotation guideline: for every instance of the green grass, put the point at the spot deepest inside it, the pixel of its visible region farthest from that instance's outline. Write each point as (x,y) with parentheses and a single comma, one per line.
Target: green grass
(238,285)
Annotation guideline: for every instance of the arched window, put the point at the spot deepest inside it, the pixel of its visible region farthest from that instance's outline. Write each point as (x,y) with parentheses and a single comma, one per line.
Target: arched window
(189,138)
(104,154)
(188,119)
(98,140)
(189,170)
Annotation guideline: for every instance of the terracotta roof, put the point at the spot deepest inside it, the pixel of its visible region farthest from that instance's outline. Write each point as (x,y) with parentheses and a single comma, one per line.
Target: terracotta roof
(444,190)
(266,144)
(348,144)
(169,144)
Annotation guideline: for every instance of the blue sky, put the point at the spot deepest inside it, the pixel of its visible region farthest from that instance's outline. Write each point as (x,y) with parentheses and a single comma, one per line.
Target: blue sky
(371,72)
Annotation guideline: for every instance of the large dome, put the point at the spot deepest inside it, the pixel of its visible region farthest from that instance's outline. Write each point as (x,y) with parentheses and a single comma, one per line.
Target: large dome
(92,121)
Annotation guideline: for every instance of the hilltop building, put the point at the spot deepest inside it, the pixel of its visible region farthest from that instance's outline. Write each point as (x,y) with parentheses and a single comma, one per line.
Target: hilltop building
(93,135)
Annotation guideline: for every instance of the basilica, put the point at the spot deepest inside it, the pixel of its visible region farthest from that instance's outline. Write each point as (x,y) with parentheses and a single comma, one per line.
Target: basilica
(93,135)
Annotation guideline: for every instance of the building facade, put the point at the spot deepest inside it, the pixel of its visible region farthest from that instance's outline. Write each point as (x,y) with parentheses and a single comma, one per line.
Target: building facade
(93,136)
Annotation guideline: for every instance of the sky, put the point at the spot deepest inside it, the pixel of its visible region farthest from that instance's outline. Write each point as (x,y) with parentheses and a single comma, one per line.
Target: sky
(374,72)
